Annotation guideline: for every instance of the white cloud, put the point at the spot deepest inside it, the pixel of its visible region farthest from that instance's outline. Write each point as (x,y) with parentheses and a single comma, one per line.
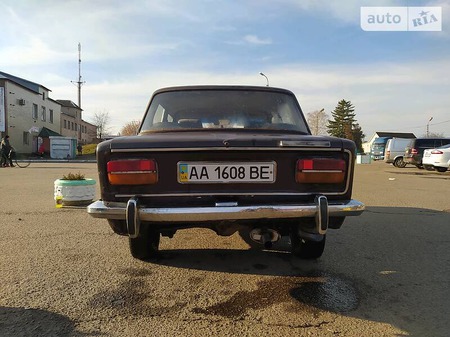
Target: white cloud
(346,11)
(112,31)
(253,39)
(117,35)
(387,97)
(32,53)
(250,39)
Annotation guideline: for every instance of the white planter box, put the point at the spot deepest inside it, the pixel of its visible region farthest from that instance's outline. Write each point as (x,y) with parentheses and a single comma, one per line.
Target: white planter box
(74,192)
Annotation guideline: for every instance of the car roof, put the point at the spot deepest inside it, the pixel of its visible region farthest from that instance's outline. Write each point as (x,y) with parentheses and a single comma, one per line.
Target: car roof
(223,87)
(434,138)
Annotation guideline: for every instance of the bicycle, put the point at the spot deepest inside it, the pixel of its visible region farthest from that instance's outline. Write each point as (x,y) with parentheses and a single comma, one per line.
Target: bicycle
(19,159)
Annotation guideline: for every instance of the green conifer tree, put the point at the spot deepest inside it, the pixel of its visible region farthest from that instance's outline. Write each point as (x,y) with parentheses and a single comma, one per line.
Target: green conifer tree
(343,123)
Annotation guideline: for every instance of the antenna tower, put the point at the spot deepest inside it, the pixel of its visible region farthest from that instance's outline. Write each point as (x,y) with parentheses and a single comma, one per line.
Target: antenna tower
(79,83)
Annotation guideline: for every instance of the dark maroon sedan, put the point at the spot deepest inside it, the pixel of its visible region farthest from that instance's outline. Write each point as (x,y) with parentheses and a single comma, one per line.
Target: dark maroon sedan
(228,158)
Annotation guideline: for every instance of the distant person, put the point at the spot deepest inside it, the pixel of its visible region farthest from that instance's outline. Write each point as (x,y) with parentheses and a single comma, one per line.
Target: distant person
(6,150)
(80,149)
(41,150)
(2,158)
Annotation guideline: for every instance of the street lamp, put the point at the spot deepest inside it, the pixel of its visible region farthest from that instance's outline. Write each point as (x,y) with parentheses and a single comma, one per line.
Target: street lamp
(262,74)
(428,126)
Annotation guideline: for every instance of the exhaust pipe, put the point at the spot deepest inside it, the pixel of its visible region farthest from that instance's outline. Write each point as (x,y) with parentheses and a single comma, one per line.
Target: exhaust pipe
(265,236)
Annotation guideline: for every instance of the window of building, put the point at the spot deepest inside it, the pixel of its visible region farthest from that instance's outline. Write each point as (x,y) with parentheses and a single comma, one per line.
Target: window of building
(72,125)
(50,115)
(34,112)
(43,96)
(65,124)
(76,127)
(43,114)
(26,138)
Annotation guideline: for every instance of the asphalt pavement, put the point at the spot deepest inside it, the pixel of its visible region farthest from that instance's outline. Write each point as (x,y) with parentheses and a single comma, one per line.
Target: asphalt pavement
(384,273)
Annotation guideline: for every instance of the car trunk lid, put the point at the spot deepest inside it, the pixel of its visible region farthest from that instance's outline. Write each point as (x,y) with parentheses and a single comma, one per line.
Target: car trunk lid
(287,153)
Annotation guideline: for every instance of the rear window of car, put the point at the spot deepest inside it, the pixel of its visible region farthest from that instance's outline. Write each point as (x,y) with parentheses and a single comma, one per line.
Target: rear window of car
(446,141)
(223,109)
(426,143)
(431,143)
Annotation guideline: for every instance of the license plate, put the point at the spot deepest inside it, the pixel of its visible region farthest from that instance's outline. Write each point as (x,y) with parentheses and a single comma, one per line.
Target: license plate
(230,172)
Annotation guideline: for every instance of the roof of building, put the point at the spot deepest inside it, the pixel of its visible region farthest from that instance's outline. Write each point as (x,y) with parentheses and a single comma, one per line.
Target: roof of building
(45,133)
(22,82)
(389,134)
(68,103)
(396,134)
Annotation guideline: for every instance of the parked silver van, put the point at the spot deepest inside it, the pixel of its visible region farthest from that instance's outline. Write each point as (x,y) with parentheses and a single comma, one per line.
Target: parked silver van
(395,150)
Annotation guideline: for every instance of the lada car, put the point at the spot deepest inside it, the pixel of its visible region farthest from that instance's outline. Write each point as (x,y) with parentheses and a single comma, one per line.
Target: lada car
(227,158)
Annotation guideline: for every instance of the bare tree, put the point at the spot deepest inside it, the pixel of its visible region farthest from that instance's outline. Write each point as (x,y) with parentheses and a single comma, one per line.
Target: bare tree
(101,121)
(317,121)
(434,135)
(131,128)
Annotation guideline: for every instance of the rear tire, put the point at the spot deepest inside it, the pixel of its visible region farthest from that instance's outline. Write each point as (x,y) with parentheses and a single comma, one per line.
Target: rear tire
(118,226)
(22,164)
(398,162)
(305,249)
(146,245)
(441,169)
(21,161)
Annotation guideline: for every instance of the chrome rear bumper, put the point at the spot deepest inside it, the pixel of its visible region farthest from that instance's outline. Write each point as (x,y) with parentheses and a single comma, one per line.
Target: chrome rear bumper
(321,210)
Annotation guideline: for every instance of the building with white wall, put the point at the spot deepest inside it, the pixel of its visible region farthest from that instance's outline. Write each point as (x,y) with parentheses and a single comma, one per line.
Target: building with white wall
(73,125)
(25,108)
(367,146)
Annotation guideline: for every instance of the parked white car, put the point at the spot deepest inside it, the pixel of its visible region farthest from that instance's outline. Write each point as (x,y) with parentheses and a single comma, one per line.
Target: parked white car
(438,158)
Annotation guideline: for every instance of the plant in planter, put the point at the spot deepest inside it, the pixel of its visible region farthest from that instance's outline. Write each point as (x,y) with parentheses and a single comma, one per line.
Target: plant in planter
(74,189)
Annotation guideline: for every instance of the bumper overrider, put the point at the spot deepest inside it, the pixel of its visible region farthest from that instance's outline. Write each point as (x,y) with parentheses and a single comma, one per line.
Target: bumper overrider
(133,213)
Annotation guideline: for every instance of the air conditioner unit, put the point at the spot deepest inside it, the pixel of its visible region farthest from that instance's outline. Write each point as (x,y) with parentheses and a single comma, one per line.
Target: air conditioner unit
(21,101)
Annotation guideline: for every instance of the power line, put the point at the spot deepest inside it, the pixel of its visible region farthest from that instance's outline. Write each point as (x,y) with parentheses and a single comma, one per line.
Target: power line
(422,126)
(441,122)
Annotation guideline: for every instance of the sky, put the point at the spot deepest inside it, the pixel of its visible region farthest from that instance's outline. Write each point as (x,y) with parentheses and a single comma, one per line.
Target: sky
(396,80)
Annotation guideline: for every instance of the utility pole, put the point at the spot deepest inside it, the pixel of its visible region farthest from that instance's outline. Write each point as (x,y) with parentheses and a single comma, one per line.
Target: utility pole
(79,83)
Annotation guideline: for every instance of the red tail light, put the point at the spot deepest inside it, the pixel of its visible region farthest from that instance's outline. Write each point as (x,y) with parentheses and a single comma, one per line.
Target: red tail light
(437,152)
(320,170)
(132,172)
